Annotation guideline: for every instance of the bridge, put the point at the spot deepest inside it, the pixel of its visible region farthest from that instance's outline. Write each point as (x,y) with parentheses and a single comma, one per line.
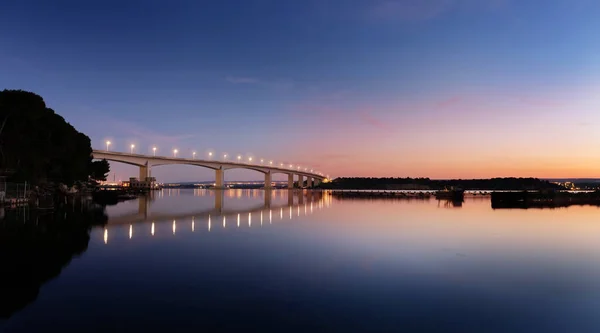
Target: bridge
(145,164)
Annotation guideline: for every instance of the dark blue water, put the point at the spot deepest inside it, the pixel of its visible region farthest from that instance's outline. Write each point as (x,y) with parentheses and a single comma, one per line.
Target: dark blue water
(313,263)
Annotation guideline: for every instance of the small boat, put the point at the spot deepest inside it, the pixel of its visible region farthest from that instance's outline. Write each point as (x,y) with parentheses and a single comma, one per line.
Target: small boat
(450,194)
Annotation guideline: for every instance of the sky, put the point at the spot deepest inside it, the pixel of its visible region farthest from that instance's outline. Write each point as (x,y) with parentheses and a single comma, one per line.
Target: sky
(381,88)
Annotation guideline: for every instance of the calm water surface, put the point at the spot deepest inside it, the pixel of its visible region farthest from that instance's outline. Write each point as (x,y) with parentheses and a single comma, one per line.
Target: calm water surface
(197,260)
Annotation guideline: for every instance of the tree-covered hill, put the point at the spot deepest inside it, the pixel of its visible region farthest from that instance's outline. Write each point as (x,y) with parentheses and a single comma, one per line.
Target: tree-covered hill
(511,183)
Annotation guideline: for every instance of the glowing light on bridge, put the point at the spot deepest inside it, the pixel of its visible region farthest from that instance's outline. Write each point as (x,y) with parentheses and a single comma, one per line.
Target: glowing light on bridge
(175,152)
(262,161)
(154,150)
(210,154)
(271,162)
(132,147)
(239,157)
(107,145)
(193,155)
(250,159)
(225,156)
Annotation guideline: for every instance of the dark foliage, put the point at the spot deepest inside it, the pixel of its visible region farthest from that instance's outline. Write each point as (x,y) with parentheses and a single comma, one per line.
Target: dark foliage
(37,145)
(99,170)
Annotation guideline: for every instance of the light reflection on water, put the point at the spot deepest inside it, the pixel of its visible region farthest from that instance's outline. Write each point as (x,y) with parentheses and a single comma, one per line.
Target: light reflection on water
(326,265)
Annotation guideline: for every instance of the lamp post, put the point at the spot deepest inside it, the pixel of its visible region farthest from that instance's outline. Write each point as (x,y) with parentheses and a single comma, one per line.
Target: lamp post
(154,151)
(193,155)
(174,152)
(132,146)
(225,156)
(239,157)
(250,159)
(210,154)
(107,144)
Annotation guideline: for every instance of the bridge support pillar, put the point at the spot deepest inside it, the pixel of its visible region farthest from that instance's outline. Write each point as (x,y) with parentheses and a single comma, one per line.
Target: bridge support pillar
(220,179)
(300,181)
(143,172)
(309,182)
(268,180)
(290,181)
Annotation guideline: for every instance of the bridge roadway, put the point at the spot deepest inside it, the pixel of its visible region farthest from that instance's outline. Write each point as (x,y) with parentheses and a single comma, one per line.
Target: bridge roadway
(304,199)
(145,163)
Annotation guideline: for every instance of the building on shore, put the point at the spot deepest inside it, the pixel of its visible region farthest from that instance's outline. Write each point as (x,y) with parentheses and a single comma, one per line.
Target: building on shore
(146,183)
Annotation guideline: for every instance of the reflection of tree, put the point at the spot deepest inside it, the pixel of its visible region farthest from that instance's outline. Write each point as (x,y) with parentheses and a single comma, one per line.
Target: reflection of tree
(36,251)
(450,203)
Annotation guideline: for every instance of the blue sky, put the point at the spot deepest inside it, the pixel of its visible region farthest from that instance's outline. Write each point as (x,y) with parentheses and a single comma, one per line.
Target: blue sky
(350,87)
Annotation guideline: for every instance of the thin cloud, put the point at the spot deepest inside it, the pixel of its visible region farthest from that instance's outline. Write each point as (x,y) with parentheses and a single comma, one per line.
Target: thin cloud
(371,120)
(241,80)
(411,10)
(450,102)
(149,135)
(422,10)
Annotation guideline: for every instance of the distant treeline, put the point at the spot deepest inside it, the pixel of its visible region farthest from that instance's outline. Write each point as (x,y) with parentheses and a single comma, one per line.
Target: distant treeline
(429,184)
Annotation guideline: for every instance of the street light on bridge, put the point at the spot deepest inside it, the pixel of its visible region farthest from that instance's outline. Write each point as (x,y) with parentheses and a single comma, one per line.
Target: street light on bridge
(193,155)
(239,157)
(250,159)
(262,161)
(271,162)
(224,156)
(107,144)
(210,154)
(174,152)
(154,150)
(132,146)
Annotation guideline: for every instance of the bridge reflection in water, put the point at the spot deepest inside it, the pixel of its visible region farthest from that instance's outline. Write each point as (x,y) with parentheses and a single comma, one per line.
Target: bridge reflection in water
(299,203)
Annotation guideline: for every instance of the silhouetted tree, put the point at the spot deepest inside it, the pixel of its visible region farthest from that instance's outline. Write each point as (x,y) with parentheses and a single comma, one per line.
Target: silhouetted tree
(38,145)
(99,170)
